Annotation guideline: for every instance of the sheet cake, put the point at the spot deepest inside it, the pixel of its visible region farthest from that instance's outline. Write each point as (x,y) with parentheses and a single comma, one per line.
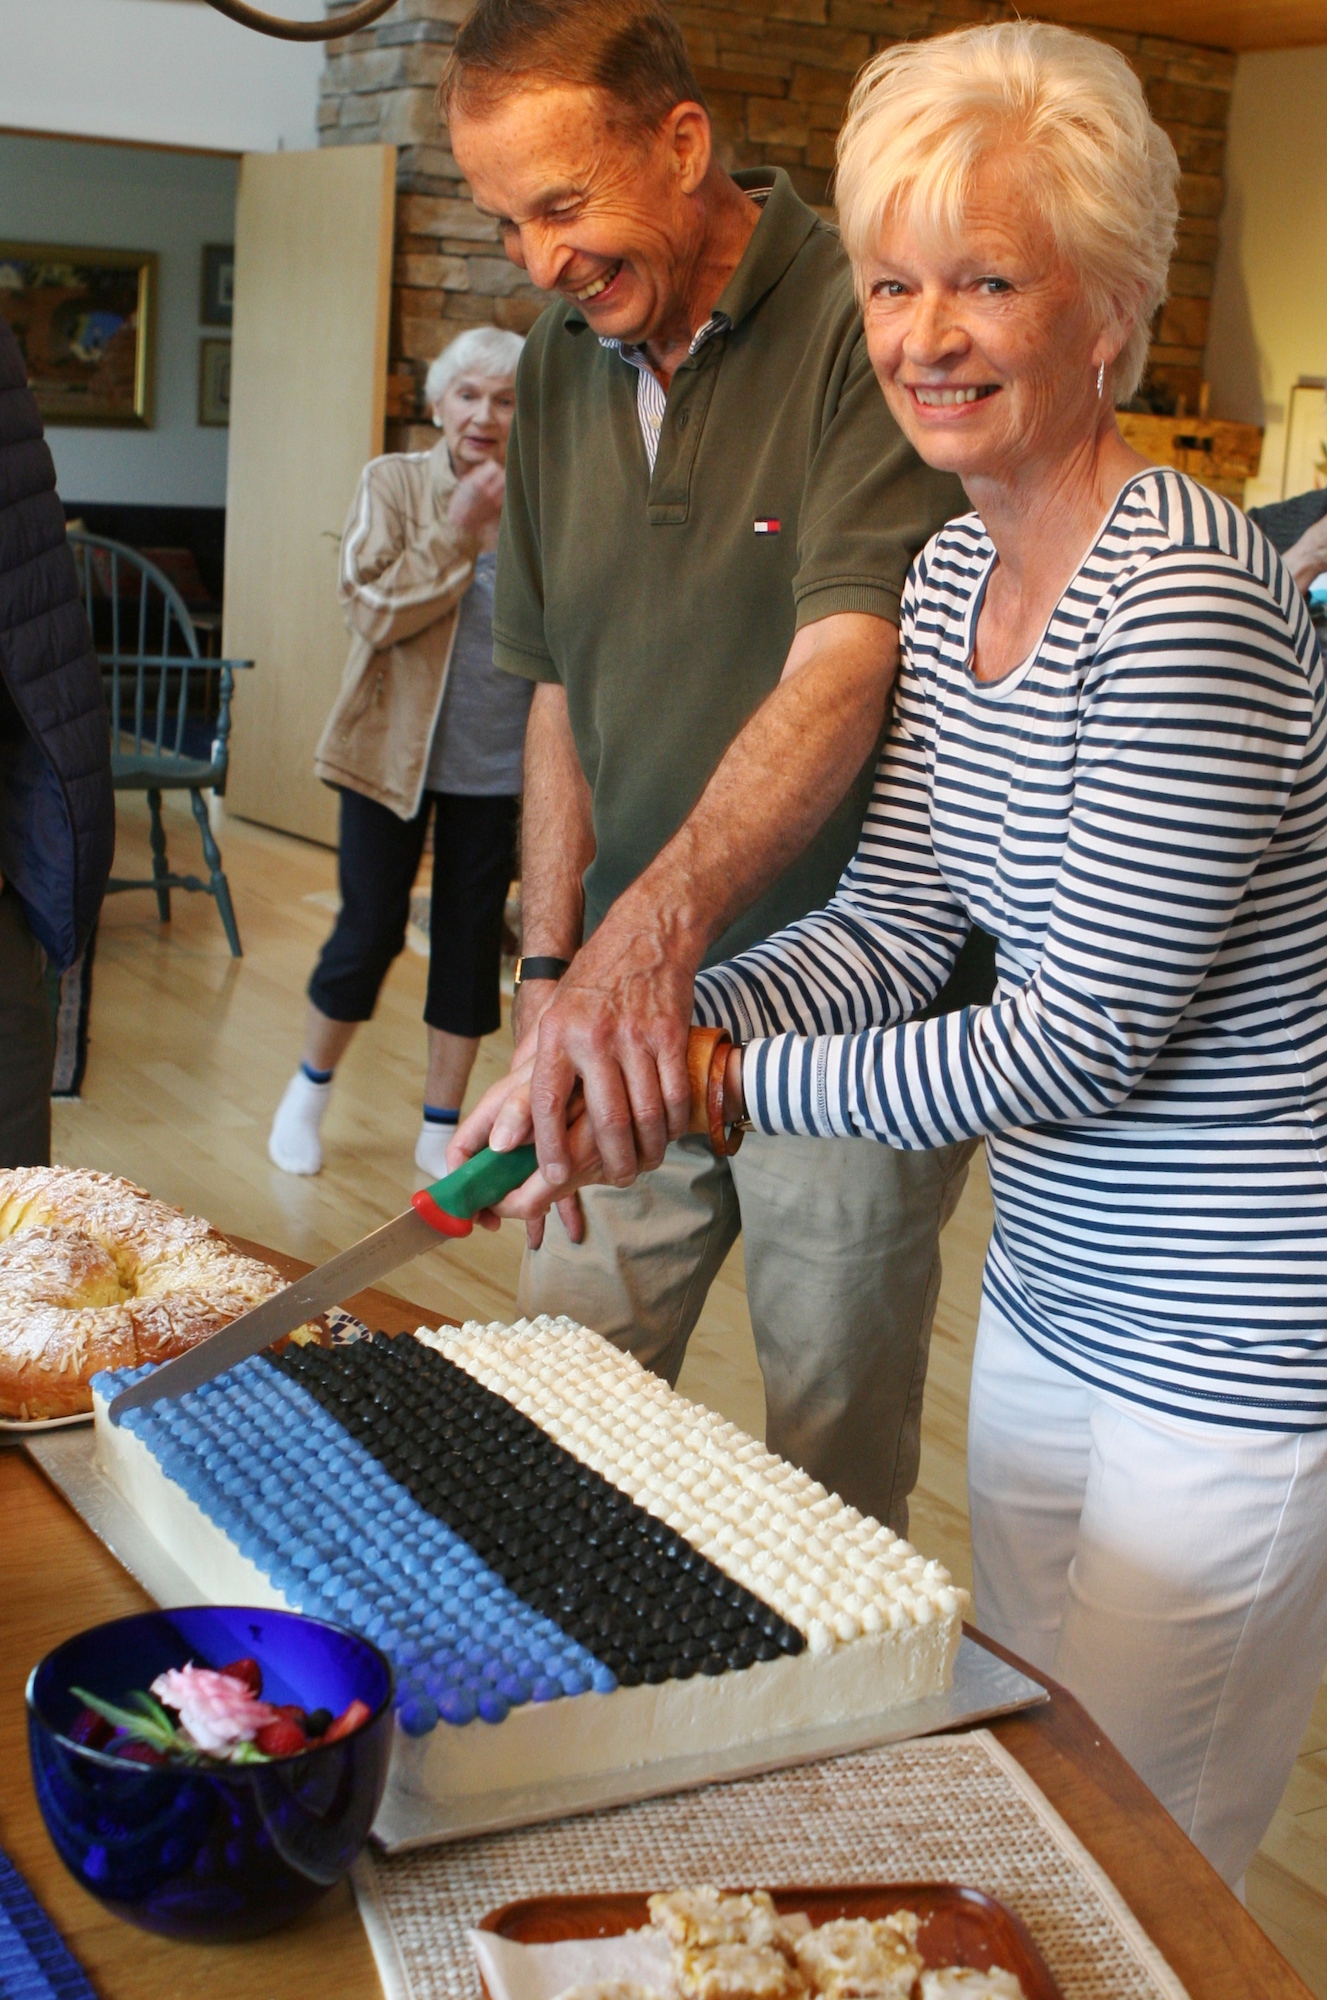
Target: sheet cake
(572,1569)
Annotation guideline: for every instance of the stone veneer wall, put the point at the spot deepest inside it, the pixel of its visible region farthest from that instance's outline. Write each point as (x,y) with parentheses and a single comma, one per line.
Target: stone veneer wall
(776,74)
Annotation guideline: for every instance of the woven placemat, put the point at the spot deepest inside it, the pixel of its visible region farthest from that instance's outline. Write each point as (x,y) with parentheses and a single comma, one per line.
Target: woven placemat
(945,1808)
(35,1962)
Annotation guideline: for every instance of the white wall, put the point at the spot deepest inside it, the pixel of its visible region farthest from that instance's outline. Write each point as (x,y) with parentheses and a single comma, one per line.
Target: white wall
(1269,308)
(172,72)
(57,191)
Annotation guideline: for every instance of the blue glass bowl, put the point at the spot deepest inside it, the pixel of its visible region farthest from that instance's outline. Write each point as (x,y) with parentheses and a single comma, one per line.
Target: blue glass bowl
(217,1853)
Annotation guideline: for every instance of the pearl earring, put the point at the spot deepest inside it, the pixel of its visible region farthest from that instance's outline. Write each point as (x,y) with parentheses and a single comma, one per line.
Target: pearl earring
(1101,379)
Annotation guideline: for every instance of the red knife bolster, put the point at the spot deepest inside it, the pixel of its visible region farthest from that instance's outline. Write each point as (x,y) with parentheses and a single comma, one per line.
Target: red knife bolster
(438,1218)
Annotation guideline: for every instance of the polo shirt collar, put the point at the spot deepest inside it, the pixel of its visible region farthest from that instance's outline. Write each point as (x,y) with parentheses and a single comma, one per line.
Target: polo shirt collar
(784,225)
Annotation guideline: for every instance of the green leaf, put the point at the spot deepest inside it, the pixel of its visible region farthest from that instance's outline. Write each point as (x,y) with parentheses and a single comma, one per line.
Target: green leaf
(123,1718)
(153,1710)
(160,1734)
(249,1753)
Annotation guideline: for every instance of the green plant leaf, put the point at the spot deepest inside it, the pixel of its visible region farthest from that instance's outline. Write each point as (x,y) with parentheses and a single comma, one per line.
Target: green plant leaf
(153,1710)
(144,1728)
(124,1718)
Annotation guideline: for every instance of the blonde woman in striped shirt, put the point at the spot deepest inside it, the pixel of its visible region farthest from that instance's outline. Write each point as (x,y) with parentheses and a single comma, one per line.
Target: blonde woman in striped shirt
(1108,750)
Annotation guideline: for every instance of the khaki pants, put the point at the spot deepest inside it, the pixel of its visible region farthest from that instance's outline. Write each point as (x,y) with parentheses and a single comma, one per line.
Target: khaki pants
(842,1271)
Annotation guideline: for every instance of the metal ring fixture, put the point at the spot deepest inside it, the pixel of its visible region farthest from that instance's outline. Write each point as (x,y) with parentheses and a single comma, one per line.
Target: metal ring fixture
(344,23)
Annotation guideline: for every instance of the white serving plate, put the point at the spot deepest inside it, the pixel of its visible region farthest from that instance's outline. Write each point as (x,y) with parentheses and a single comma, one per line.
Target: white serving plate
(28,1428)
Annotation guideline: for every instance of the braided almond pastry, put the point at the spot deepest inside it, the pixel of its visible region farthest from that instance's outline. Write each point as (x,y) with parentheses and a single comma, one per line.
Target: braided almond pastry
(96,1274)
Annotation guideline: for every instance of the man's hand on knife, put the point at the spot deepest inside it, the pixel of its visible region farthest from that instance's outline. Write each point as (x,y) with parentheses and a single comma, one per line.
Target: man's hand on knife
(611,1042)
(609,1051)
(620,1017)
(508,1101)
(618,1027)
(531,1202)
(504,1111)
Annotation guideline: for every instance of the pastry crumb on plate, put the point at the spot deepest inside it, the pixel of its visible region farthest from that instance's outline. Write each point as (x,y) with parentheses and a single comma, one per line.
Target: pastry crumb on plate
(963,1982)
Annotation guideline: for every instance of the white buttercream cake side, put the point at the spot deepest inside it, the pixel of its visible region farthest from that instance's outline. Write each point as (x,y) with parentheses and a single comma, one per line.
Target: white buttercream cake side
(573,1569)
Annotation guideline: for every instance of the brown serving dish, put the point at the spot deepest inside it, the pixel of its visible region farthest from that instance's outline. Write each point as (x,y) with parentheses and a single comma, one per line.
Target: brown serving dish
(959,1926)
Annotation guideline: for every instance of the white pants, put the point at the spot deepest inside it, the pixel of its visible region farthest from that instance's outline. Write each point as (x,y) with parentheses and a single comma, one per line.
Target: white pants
(1172,1574)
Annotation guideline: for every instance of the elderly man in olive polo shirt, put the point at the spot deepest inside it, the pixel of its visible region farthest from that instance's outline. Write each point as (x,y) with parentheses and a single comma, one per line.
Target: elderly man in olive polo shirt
(709,518)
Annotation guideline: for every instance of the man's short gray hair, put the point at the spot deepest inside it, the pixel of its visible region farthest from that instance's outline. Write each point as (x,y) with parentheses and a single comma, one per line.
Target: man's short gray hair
(480,350)
(924,116)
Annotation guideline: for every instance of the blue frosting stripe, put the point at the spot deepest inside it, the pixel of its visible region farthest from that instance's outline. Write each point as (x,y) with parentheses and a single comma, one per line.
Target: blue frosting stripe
(341,1539)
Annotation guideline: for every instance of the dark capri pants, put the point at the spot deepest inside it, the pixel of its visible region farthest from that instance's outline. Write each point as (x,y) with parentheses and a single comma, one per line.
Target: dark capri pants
(474,849)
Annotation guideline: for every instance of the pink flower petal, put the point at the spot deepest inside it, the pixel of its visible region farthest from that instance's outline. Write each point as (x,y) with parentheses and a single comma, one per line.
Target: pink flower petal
(214,1710)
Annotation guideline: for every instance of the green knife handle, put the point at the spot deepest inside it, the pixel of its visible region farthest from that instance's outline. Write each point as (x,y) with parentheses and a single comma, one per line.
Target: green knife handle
(480,1183)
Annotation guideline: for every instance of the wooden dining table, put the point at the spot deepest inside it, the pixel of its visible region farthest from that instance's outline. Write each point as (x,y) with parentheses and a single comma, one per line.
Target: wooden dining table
(56,1579)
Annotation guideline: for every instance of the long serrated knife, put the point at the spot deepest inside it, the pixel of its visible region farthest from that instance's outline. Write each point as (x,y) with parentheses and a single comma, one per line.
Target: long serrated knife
(447,1208)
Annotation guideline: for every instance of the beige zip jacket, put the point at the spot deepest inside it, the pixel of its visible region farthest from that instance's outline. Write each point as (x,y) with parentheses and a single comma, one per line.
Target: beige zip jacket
(404,571)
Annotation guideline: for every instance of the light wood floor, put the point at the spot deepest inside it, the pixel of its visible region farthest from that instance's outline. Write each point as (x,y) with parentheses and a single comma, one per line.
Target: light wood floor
(190,1051)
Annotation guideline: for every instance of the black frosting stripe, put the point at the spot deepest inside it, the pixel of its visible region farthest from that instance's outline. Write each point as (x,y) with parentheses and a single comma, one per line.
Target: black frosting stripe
(564,1538)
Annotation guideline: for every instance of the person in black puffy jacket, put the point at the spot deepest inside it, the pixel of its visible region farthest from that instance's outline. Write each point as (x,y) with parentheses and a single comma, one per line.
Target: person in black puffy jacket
(57,809)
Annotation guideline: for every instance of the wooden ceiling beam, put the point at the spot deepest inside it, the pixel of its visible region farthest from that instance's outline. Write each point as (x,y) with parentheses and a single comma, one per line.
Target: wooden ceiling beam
(1215,24)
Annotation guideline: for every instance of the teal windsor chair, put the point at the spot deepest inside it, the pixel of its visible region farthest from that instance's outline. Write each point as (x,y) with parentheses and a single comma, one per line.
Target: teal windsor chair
(164,737)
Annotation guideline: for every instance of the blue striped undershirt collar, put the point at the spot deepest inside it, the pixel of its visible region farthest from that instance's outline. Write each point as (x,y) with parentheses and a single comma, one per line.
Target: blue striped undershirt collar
(651,396)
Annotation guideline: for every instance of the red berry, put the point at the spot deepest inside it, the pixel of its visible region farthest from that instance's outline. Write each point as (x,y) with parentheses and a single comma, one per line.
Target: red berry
(137,1752)
(280,1739)
(247,1672)
(91,1730)
(350,1719)
(290,1712)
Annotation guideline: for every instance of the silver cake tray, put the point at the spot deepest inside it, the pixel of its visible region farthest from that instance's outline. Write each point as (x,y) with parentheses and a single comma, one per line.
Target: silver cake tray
(983,1687)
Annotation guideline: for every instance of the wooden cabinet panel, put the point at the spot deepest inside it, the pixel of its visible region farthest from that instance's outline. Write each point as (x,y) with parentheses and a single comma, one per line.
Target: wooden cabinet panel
(313,262)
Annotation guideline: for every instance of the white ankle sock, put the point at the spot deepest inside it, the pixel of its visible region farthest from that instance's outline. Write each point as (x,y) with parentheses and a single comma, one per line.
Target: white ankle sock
(435,1136)
(294,1143)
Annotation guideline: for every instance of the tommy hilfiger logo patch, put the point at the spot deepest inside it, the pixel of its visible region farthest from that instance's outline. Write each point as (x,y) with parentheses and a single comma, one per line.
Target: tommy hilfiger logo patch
(766,525)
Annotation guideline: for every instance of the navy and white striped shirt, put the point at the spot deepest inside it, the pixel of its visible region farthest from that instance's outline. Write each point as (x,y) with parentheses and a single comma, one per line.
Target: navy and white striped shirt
(1138,815)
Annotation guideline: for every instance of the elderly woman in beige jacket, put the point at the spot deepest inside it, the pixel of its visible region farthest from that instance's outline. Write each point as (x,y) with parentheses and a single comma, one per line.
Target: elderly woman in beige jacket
(424,724)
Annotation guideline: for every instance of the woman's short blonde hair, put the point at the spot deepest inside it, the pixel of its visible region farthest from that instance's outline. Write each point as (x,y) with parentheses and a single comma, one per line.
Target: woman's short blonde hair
(925,115)
(480,350)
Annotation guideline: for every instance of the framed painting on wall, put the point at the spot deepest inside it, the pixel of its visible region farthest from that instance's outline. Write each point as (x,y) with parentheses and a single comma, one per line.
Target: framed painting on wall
(1305,469)
(214,382)
(83,320)
(217,307)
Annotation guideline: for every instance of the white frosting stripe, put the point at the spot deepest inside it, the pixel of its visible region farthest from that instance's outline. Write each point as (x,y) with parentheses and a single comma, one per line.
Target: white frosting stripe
(830,1571)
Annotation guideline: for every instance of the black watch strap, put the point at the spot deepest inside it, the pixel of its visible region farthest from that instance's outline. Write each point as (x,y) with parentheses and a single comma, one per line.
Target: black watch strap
(539,968)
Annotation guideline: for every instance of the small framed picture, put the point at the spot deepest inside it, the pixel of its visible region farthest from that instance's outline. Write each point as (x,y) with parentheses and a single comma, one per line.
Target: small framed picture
(214,382)
(218,302)
(83,322)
